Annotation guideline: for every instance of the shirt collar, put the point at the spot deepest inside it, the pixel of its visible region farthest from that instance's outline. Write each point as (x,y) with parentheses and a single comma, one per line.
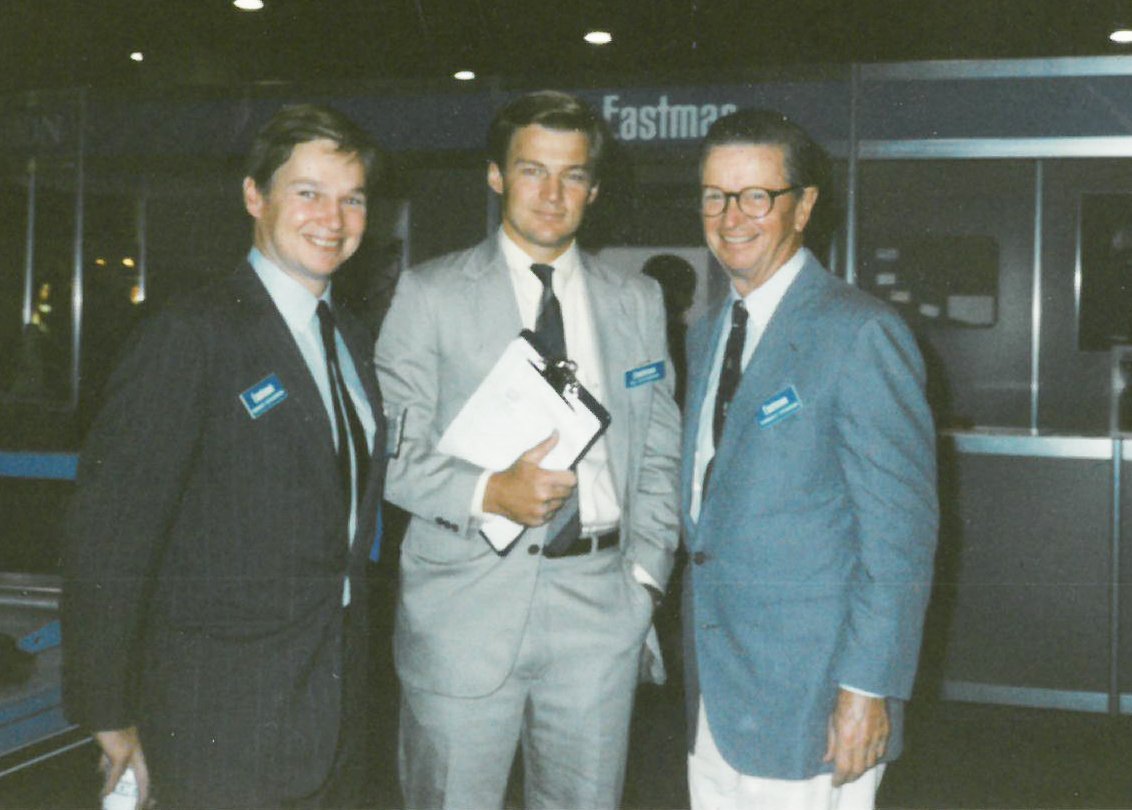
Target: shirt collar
(520,263)
(294,301)
(762,301)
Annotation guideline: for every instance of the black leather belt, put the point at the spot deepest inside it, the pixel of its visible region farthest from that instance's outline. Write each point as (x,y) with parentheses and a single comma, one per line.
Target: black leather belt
(586,544)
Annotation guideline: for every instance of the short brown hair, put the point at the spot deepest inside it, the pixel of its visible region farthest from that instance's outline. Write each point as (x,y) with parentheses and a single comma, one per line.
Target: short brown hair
(807,163)
(553,110)
(302,123)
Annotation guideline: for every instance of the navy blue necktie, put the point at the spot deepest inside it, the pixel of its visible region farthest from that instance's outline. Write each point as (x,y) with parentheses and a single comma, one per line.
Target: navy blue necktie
(729,374)
(566,525)
(548,325)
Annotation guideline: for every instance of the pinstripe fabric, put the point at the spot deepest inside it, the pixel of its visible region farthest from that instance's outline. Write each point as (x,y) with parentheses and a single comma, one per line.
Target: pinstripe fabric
(205,553)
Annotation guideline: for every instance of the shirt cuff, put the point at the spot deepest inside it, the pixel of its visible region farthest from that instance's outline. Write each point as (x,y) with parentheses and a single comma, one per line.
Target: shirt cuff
(644,577)
(857,691)
(476,512)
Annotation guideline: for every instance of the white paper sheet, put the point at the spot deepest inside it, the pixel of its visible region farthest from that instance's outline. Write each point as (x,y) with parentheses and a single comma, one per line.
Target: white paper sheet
(514,409)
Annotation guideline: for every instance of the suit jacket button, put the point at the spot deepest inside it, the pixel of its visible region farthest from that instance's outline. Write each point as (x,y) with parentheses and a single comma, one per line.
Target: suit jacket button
(699,558)
(533,548)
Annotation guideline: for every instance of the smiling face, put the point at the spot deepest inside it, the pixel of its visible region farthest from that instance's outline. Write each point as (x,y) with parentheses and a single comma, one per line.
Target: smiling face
(546,186)
(312,217)
(752,249)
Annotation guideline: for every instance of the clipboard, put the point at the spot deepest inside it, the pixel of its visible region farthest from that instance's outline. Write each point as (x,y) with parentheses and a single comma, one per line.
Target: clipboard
(521,401)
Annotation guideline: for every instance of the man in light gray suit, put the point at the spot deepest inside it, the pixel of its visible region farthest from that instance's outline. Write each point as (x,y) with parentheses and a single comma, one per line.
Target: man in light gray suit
(542,643)
(809,499)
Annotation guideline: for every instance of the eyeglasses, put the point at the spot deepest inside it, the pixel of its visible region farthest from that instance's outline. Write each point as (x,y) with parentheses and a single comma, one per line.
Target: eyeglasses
(753,201)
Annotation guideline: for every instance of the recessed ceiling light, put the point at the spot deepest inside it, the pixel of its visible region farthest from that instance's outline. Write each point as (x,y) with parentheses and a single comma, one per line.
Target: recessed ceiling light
(1121,36)
(598,37)
(137,56)
(464,75)
(248,5)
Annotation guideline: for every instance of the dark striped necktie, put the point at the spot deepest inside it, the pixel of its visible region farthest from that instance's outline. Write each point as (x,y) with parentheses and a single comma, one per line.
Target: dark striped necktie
(729,375)
(348,428)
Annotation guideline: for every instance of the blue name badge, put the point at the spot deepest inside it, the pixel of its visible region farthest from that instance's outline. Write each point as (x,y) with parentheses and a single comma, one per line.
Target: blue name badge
(263,396)
(645,374)
(778,407)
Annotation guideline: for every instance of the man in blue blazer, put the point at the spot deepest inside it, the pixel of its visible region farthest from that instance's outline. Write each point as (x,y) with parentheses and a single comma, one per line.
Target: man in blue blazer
(214,631)
(809,500)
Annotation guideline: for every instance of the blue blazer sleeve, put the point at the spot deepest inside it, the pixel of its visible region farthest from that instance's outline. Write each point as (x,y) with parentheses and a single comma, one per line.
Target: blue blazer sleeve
(885,445)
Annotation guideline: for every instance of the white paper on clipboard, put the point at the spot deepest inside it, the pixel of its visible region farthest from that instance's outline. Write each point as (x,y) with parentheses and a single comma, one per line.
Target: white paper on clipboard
(515,408)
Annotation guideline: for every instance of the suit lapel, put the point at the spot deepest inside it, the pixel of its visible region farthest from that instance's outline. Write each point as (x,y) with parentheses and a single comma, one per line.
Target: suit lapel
(770,366)
(616,342)
(272,346)
(702,343)
(491,296)
(359,345)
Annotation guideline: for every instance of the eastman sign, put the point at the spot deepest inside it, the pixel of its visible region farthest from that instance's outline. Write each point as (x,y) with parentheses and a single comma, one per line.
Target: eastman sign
(662,121)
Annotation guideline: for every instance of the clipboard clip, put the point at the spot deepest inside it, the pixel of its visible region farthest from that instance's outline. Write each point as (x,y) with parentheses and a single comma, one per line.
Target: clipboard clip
(560,375)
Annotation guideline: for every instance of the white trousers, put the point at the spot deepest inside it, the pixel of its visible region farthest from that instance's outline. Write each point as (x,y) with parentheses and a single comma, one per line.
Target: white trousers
(715,785)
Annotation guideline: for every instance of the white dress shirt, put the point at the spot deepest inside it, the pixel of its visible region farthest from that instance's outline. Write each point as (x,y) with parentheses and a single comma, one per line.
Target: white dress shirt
(597,495)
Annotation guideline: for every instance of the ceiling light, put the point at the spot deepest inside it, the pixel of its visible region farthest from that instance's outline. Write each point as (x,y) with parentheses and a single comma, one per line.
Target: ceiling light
(598,37)
(1121,36)
(137,56)
(464,75)
(248,5)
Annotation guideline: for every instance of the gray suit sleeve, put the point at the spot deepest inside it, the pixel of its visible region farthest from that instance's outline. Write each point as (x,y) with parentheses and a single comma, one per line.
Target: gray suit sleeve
(433,486)
(653,505)
(886,448)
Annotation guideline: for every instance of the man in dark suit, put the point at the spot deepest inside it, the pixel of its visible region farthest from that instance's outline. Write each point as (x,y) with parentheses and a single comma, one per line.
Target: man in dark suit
(540,642)
(809,498)
(214,603)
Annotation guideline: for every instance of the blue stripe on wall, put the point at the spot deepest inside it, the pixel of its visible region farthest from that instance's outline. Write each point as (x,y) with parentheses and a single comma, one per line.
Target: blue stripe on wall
(56,466)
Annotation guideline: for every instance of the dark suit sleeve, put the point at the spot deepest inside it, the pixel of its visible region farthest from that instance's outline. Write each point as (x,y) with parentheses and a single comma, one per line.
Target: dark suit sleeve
(131,473)
(886,448)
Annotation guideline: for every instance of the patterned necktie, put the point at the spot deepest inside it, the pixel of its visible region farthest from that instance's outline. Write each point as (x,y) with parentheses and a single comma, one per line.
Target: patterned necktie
(348,429)
(566,525)
(729,374)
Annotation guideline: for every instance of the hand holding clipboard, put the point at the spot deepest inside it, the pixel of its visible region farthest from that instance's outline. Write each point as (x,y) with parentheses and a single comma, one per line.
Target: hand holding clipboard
(522,400)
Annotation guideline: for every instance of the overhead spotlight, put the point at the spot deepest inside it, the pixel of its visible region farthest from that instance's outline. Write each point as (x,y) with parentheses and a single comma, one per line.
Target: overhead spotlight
(598,37)
(1121,36)
(128,262)
(137,56)
(464,75)
(248,5)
